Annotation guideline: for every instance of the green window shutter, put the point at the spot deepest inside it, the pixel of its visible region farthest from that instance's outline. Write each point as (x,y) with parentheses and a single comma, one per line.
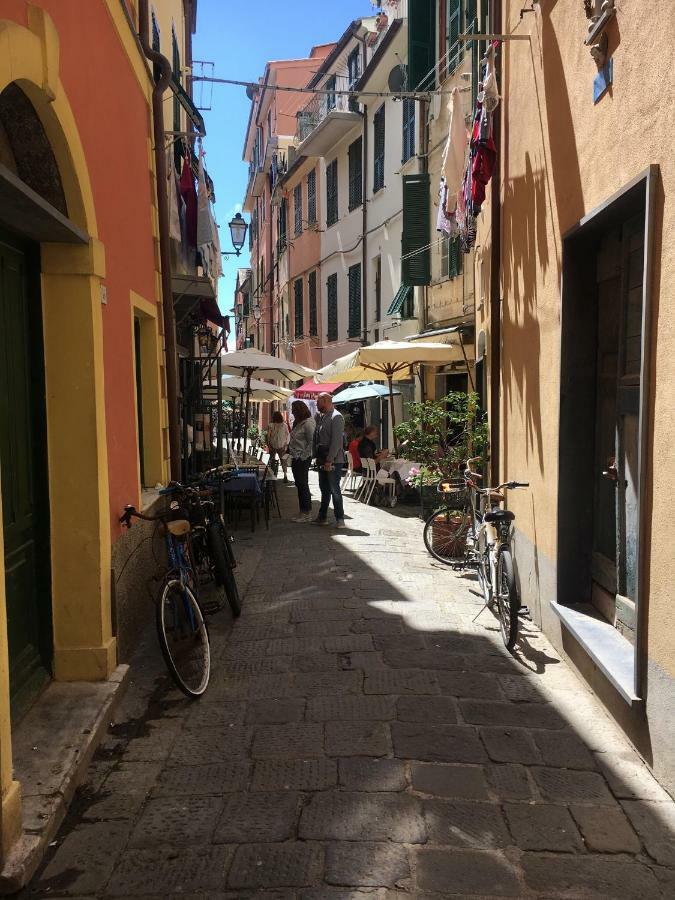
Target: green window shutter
(332,288)
(355,301)
(454,20)
(297,209)
(313,313)
(299,311)
(421,44)
(331,193)
(378,149)
(397,303)
(416,256)
(311,197)
(408,129)
(454,258)
(355,174)
(281,238)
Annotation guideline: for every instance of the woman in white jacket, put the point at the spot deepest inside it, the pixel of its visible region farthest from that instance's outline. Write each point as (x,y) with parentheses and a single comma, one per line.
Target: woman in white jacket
(277,440)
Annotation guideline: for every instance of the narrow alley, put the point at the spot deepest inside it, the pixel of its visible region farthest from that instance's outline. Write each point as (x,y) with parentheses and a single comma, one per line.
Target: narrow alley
(364,736)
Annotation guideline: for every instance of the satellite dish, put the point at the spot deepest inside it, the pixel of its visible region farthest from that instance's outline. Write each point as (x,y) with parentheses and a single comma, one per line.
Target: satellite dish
(251,92)
(397,79)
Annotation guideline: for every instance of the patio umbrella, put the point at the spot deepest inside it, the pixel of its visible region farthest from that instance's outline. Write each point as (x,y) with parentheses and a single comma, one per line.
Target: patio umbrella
(247,363)
(260,392)
(367,391)
(389,359)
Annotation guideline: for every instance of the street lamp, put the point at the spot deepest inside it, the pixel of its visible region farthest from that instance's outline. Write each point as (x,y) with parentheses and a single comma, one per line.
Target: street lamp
(238,229)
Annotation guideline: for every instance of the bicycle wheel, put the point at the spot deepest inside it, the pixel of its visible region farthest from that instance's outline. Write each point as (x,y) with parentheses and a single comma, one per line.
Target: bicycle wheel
(222,569)
(445,535)
(507,599)
(183,638)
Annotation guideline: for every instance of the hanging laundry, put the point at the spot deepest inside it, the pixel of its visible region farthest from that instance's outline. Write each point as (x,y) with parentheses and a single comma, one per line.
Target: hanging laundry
(445,224)
(454,155)
(204,226)
(489,96)
(189,195)
(171,187)
(484,158)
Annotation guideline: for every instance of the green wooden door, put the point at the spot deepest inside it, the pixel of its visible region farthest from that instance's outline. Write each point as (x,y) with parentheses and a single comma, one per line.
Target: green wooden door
(24,470)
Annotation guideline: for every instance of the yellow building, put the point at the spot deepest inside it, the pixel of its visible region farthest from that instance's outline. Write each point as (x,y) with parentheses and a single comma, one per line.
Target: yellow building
(578,338)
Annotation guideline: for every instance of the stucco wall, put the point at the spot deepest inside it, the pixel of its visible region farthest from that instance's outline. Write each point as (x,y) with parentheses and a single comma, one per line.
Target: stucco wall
(563,156)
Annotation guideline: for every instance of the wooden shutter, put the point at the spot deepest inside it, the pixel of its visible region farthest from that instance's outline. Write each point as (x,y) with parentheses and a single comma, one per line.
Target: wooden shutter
(454,258)
(355,300)
(408,129)
(378,149)
(332,331)
(281,239)
(421,44)
(331,193)
(311,197)
(297,208)
(299,311)
(416,258)
(313,314)
(355,174)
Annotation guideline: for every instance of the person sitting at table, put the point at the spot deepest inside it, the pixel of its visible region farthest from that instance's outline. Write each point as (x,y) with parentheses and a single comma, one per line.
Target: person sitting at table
(354,452)
(277,441)
(367,448)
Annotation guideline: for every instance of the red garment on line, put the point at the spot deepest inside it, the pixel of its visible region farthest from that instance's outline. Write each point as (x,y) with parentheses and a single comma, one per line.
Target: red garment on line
(189,195)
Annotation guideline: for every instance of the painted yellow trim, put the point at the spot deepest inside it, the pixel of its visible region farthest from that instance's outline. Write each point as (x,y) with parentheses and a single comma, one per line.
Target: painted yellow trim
(85,663)
(74,259)
(131,48)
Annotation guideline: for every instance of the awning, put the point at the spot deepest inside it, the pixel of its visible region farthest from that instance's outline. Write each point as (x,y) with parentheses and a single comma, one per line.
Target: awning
(442,335)
(185,101)
(402,295)
(188,291)
(26,212)
(211,311)
(310,389)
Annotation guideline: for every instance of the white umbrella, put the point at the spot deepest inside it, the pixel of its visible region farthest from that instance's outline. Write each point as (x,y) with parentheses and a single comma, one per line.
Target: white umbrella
(392,360)
(261,391)
(246,363)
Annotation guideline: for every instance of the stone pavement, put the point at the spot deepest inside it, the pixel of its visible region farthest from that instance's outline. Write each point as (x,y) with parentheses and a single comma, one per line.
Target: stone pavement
(363,737)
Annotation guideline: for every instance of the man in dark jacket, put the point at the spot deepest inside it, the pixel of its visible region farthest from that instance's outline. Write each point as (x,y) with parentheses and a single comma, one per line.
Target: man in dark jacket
(330,458)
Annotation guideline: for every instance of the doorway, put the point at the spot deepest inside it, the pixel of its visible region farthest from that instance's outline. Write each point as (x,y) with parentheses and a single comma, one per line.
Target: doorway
(23,462)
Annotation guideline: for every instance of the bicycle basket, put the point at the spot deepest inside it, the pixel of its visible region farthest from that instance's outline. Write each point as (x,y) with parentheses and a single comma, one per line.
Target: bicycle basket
(452,492)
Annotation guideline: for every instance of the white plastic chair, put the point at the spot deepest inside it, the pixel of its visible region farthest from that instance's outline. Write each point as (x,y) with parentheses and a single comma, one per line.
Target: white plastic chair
(369,480)
(352,476)
(389,482)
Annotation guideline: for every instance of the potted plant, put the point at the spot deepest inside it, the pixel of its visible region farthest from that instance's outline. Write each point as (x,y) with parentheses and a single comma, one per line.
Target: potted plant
(440,435)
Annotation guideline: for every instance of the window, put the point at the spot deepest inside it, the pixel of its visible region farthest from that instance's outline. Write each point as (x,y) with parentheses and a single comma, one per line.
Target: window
(355,175)
(311,197)
(331,193)
(297,208)
(454,29)
(313,312)
(281,238)
(355,301)
(139,396)
(416,261)
(332,288)
(408,129)
(298,309)
(378,149)
(176,74)
(378,288)
(451,258)
(353,67)
(331,98)
(421,44)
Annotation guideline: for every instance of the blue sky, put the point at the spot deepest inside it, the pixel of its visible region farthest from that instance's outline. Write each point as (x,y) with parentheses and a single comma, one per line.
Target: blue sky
(239,38)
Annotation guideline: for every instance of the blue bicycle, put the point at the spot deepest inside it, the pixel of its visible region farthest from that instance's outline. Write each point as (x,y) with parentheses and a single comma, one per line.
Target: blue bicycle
(183,635)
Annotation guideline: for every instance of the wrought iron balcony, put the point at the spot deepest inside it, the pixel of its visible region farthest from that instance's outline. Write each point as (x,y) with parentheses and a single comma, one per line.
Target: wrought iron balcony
(327,118)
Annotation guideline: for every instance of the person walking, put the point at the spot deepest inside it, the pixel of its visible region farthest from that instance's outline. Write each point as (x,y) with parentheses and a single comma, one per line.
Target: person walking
(278,436)
(330,458)
(301,450)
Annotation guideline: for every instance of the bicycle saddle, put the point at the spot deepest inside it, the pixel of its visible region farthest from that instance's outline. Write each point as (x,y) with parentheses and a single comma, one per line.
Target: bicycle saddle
(178,528)
(499,515)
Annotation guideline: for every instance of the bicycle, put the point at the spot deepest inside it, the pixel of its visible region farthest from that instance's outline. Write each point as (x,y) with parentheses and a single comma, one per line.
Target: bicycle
(181,627)
(478,535)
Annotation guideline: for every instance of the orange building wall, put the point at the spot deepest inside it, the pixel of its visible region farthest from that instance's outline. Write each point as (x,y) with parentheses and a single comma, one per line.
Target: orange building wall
(113,119)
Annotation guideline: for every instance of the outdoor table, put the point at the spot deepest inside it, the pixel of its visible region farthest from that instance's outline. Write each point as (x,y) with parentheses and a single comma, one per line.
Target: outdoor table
(402,467)
(244,492)
(243,483)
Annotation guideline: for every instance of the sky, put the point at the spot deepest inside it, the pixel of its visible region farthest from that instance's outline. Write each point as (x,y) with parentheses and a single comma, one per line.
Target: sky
(239,38)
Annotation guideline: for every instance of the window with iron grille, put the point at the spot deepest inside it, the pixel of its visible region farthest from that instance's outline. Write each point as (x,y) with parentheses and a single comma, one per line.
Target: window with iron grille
(331,98)
(311,197)
(332,193)
(332,290)
(455,48)
(313,311)
(299,310)
(355,174)
(378,288)
(378,149)
(297,209)
(355,301)
(408,129)
(353,66)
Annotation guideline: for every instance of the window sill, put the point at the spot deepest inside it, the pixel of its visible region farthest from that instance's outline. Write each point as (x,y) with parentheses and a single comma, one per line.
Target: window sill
(611,653)
(376,190)
(358,206)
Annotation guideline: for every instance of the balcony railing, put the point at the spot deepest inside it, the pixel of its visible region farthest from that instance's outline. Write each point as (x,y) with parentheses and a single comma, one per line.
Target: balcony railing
(322,105)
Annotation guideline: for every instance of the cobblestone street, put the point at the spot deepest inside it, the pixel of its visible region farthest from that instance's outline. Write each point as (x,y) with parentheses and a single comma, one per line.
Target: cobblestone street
(363,737)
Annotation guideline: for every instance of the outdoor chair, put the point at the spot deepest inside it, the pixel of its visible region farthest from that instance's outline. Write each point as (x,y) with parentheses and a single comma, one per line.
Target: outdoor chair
(365,492)
(353,476)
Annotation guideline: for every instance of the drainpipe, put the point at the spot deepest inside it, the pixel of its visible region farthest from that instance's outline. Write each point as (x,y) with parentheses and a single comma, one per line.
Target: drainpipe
(495,272)
(164,241)
(364,230)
